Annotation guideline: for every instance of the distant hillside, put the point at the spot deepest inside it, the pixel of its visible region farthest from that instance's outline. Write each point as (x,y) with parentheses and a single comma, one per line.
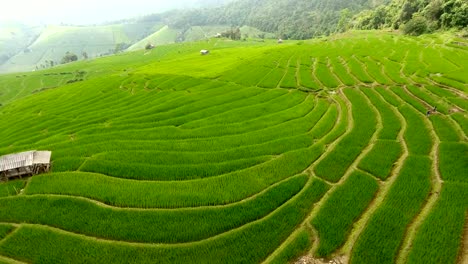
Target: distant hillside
(14,37)
(54,41)
(168,35)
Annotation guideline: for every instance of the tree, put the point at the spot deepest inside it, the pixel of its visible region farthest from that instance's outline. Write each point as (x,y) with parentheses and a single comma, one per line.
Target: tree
(455,14)
(85,55)
(233,33)
(345,16)
(409,8)
(69,57)
(416,26)
(119,47)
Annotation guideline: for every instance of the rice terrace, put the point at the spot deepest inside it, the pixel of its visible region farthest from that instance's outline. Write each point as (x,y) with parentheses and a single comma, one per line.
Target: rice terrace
(350,147)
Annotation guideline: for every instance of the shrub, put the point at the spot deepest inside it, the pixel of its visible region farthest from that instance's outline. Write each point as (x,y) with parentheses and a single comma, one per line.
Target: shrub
(416,26)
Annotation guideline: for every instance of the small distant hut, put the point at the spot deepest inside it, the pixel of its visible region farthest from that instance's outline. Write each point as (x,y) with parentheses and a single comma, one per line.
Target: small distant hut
(280,41)
(24,164)
(149,46)
(204,52)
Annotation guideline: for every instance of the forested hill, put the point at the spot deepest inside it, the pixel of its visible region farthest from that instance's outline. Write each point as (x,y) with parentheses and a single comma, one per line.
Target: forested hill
(297,19)
(415,16)
(303,19)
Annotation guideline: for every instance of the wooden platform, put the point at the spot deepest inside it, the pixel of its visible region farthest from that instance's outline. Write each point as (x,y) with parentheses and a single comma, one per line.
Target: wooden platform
(24,164)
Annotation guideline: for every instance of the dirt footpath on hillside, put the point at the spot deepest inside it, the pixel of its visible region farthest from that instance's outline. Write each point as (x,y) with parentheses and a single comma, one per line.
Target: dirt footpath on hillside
(311,260)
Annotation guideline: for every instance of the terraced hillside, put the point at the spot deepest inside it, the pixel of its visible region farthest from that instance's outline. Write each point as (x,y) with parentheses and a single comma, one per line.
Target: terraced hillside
(257,153)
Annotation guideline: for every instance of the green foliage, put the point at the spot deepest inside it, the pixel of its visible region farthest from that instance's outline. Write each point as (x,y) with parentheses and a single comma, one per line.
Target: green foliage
(174,226)
(294,249)
(337,215)
(380,240)
(455,13)
(69,57)
(5,229)
(416,26)
(439,237)
(445,129)
(296,19)
(246,245)
(391,125)
(11,188)
(417,16)
(335,164)
(215,149)
(453,161)
(381,159)
(417,135)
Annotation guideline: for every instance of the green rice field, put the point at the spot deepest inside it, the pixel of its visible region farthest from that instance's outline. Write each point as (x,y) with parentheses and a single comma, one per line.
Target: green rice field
(256,153)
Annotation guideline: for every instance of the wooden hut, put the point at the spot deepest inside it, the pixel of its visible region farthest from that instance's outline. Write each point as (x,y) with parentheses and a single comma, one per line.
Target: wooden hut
(24,164)
(204,52)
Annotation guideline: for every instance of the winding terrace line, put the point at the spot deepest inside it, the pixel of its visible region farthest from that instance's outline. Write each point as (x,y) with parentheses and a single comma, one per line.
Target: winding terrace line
(306,223)
(385,187)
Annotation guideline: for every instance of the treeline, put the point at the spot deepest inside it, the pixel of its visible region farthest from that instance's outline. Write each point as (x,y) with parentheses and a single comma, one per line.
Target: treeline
(415,16)
(296,19)
(304,19)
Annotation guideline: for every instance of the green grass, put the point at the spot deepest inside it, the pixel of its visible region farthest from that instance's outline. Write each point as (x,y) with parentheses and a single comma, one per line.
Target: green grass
(439,238)
(422,94)
(168,156)
(381,159)
(391,125)
(341,72)
(11,188)
(337,215)
(210,191)
(174,226)
(38,244)
(445,129)
(383,235)
(417,135)
(453,161)
(411,100)
(294,249)
(335,164)
(5,229)
(324,75)
(358,71)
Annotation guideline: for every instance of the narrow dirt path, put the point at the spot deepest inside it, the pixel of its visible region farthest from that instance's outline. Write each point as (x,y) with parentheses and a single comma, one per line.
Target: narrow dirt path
(10,260)
(332,72)
(348,70)
(138,209)
(463,254)
(306,223)
(360,225)
(453,90)
(285,73)
(314,73)
(346,175)
(382,71)
(437,182)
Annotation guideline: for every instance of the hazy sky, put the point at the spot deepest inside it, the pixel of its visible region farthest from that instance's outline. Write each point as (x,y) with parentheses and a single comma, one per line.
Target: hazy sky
(82,11)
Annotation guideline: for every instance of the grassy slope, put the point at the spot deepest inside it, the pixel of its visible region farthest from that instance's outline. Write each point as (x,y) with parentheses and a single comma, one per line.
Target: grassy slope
(212,135)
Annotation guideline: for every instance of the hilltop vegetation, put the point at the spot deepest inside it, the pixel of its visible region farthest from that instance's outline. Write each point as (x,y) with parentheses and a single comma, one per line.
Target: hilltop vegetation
(416,16)
(258,152)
